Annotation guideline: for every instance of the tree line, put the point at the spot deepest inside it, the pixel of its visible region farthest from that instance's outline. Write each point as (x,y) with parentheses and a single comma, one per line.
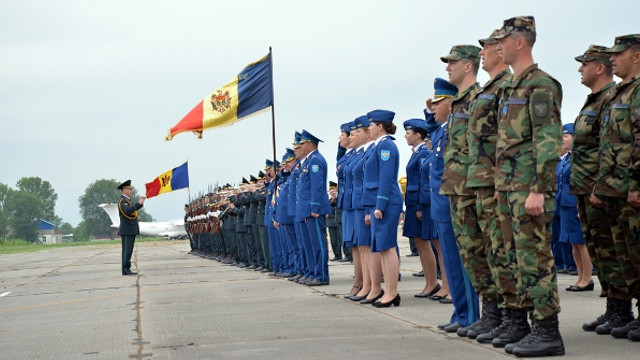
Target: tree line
(33,199)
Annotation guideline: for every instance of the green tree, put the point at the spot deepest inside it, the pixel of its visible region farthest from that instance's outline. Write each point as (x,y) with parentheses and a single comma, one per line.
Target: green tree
(44,191)
(65,228)
(5,192)
(95,221)
(26,210)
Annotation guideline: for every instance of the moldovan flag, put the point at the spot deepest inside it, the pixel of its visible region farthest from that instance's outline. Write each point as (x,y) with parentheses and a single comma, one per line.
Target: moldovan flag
(174,179)
(247,94)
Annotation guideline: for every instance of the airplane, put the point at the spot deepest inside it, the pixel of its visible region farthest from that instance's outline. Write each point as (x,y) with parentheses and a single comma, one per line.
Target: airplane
(168,229)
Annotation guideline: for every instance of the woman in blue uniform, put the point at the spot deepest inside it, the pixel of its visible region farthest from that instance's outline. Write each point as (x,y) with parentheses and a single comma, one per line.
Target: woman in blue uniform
(570,228)
(382,195)
(370,262)
(415,219)
(345,190)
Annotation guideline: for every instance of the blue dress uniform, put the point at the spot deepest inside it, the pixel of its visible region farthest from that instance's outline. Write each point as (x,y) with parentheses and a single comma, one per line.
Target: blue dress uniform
(361,231)
(465,300)
(429,231)
(341,165)
(128,228)
(381,189)
(412,225)
(286,232)
(312,198)
(570,228)
(348,235)
(275,245)
(298,221)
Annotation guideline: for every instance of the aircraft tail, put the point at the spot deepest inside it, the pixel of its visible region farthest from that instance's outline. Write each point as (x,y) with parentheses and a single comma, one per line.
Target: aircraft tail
(112,211)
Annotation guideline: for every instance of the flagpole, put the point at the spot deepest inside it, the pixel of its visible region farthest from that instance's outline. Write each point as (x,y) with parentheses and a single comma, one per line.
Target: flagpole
(273,118)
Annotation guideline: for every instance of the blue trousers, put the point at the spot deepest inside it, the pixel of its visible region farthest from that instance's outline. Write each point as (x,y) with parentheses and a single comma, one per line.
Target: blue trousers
(288,241)
(302,240)
(465,300)
(275,246)
(319,251)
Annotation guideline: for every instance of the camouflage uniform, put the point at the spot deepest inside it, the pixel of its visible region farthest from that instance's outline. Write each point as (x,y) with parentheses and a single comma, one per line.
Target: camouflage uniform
(528,148)
(491,256)
(619,175)
(584,169)
(454,178)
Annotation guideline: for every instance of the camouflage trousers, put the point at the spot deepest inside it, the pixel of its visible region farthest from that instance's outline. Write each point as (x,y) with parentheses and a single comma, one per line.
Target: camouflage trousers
(530,236)
(472,245)
(500,257)
(625,230)
(596,228)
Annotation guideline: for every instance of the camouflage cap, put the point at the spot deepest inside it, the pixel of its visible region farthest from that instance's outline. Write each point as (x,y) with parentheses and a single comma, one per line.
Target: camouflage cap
(595,52)
(491,39)
(517,24)
(622,43)
(459,52)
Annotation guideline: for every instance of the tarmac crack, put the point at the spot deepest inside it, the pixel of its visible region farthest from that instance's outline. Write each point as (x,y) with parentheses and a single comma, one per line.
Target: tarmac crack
(140,354)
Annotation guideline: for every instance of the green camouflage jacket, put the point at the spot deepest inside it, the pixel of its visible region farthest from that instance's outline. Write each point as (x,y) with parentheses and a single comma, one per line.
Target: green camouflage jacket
(456,156)
(529,132)
(586,142)
(482,133)
(620,142)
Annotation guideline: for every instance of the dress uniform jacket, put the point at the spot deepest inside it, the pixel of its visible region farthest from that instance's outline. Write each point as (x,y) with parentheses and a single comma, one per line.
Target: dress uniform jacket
(128,217)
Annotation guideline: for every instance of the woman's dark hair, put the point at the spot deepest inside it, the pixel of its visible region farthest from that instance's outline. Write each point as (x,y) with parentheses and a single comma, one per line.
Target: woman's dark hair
(421,132)
(389,128)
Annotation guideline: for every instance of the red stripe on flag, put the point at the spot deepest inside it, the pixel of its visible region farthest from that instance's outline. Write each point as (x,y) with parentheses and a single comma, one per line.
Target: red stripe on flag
(153,188)
(191,122)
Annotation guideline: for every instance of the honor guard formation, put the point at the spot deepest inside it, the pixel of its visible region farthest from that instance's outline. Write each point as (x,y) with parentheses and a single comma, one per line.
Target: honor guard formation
(494,183)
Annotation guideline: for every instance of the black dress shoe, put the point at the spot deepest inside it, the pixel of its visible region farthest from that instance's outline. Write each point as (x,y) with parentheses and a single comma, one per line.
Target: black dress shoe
(418,274)
(358,298)
(335,258)
(395,302)
(446,301)
(430,293)
(437,297)
(453,327)
(316,282)
(588,287)
(371,301)
(412,254)
(442,326)
(570,288)
(128,272)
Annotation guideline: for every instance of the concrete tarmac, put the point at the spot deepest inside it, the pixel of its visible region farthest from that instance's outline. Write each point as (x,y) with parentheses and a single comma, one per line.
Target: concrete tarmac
(72,303)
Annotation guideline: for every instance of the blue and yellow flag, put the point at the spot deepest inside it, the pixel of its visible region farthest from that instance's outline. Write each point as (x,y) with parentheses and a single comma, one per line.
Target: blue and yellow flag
(248,93)
(174,179)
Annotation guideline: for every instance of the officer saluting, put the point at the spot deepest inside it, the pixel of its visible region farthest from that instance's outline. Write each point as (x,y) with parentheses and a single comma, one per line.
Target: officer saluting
(128,224)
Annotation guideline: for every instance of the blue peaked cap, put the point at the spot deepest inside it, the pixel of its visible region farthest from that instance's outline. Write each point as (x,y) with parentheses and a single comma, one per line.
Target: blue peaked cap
(381,116)
(307,136)
(443,88)
(567,129)
(412,124)
(360,122)
(345,128)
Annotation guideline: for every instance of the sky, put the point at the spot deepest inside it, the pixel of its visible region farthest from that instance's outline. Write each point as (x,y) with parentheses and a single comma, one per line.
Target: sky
(89,89)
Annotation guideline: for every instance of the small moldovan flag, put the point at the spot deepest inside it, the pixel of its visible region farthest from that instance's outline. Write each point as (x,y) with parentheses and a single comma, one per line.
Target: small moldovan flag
(247,94)
(174,179)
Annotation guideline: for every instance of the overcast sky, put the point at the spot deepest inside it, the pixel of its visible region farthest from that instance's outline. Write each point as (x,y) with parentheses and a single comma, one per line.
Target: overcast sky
(89,89)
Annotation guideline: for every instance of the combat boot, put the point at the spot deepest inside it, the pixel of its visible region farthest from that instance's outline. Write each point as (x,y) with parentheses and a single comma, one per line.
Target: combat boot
(622,332)
(518,329)
(634,335)
(489,319)
(622,315)
(544,339)
(505,321)
(591,326)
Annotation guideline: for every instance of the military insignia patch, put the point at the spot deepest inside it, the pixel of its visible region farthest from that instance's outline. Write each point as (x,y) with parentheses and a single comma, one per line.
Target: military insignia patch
(315,168)
(541,109)
(385,155)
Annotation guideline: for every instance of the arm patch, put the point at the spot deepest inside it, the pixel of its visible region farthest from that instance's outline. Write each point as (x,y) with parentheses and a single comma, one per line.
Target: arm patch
(541,104)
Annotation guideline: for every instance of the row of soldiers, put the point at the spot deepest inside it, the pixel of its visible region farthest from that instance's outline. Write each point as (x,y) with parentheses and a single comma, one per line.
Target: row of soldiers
(502,145)
(241,226)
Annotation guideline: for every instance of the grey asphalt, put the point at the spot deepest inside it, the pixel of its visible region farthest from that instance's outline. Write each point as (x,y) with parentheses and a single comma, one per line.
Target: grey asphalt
(72,303)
